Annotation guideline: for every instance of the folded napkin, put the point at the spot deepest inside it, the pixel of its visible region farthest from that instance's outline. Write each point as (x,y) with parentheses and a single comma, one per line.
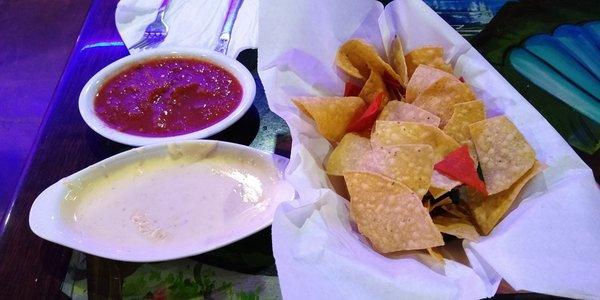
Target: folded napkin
(547,244)
(192,23)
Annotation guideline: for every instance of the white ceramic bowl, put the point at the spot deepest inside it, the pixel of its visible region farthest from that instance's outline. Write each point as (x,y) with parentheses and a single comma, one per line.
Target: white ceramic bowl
(48,220)
(88,95)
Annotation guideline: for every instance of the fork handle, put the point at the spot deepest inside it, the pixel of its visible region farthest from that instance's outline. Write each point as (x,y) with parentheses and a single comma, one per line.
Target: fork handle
(162,9)
(232,11)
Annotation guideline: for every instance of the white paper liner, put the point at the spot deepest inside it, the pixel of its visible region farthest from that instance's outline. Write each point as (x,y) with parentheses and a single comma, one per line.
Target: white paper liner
(547,244)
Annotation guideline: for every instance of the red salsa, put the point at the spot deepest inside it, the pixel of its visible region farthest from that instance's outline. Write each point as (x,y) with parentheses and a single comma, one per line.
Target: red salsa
(168,96)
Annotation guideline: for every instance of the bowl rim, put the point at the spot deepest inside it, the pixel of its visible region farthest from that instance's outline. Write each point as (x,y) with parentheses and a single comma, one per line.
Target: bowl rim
(89,91)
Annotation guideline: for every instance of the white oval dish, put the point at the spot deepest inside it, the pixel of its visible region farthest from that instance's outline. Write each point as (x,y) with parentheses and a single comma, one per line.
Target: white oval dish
(163,202)
(89,91)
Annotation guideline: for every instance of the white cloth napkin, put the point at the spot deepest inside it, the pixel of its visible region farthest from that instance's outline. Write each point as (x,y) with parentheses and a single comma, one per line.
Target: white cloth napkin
(547,244)
(192,23)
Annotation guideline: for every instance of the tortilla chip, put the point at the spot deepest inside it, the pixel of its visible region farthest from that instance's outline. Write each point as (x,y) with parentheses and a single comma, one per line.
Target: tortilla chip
(435,254)
(401,111)
(465,114)
(441,96)
(426,203)
(472,151)
(503,152)
(437,192)
(488,211)
(389,214)
(422,78)
(431,56)
(455,210)
(390,133)
(397,60)
(331,114)
(442,202)
(441,184)
(347,153)
(352,59)
(442,181)
(358,58)
(409,164)
(373,87)
(458,227)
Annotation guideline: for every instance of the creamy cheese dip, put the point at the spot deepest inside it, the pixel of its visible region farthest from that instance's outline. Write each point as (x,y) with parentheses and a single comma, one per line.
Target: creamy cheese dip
(192,194)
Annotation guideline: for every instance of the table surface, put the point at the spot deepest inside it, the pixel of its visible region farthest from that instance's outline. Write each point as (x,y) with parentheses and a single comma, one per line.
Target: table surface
(25,88)
(33,267)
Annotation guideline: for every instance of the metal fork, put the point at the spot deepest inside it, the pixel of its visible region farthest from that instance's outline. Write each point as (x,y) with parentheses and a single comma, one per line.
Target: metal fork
(156,32)
(232,11)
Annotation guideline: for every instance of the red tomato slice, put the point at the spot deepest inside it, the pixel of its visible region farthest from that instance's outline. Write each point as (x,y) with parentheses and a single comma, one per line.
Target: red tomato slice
(459,165)
(351,90)
(368,117)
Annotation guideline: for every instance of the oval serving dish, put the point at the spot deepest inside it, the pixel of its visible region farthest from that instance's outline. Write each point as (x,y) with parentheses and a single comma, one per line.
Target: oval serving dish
(163,202)
(92,88)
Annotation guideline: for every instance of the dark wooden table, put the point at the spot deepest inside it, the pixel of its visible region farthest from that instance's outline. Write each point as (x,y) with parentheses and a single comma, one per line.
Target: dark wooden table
(31,267)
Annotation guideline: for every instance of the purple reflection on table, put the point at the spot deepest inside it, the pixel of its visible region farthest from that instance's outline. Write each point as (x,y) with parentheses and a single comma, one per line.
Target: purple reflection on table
(37,38)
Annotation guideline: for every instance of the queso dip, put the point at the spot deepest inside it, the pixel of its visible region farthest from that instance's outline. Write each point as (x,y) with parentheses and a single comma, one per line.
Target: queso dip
(193,194)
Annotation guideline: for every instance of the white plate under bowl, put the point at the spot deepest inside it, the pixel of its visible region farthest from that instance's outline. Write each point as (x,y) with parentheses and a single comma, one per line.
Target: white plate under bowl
(89,91)
(227,217)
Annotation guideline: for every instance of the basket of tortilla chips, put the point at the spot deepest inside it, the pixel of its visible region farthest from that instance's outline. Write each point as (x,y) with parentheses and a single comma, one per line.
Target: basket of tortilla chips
(405,139)
(418,155)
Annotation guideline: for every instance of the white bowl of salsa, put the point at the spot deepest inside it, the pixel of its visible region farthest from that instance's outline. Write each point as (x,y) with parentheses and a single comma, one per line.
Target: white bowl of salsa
(163,95)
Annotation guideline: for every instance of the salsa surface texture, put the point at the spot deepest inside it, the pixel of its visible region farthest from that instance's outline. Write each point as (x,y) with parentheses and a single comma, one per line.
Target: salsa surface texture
(167,97)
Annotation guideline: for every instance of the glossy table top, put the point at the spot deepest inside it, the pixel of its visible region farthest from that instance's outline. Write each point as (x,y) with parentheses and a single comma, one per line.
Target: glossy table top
(33,33)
